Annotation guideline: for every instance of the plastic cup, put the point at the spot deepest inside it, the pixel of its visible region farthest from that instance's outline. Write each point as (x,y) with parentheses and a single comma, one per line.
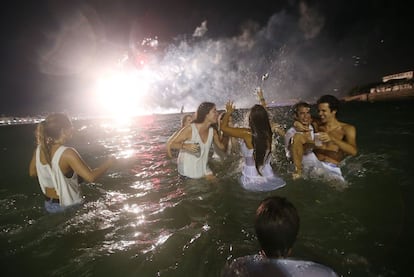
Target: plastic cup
(318,142)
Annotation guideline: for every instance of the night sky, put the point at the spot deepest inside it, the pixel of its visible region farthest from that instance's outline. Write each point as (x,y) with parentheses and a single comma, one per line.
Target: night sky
(52,52)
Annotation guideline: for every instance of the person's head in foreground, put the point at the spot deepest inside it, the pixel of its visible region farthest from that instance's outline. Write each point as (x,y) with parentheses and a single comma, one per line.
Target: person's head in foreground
(276,225)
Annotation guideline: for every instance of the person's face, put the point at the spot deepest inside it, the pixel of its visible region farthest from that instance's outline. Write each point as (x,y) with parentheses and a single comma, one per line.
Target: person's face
(303,115)
(188,121)
(325,112)
(212,115)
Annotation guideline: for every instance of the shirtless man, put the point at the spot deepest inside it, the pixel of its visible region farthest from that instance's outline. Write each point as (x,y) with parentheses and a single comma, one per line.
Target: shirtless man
(338,140)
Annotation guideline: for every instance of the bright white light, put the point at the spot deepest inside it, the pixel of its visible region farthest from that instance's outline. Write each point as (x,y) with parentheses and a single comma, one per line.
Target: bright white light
(123,93)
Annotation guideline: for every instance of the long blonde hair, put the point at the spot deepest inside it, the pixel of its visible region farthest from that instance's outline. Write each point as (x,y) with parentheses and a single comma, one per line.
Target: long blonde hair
(49,131)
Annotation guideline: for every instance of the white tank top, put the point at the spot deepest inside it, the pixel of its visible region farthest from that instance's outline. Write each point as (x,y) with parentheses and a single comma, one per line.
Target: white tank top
(67,189)
(193,166)
(44,173)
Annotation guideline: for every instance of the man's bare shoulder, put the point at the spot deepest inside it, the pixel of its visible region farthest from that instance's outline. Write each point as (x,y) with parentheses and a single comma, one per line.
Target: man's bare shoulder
(347,126)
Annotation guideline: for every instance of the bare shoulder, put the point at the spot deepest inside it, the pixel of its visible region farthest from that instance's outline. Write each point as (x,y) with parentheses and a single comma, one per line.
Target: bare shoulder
(186,130)
(70,152)
(183,134)
(347,127)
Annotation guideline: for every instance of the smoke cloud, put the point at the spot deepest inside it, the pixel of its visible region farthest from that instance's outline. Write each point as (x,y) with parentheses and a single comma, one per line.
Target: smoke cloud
(292,48)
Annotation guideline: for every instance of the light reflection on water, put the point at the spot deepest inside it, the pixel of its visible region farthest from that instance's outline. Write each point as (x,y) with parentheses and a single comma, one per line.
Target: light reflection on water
(142,219)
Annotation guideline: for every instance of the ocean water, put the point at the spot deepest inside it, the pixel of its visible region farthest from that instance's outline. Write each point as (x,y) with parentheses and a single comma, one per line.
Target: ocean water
(141,219)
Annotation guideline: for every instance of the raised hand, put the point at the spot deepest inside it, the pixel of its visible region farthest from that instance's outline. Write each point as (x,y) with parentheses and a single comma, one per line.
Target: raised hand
(230,107)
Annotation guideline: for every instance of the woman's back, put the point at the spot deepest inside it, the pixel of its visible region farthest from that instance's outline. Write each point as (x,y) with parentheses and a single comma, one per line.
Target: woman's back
(251,179)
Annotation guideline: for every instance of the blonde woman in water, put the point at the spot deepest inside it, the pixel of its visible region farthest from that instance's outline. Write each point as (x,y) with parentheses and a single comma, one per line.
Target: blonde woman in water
(57,166)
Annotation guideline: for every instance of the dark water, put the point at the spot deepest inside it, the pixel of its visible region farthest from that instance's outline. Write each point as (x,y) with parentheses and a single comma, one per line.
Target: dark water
(142,220)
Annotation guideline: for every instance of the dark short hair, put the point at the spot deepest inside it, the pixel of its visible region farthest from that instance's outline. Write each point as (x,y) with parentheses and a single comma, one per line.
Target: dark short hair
(332,101)
(299,105)
(276,225)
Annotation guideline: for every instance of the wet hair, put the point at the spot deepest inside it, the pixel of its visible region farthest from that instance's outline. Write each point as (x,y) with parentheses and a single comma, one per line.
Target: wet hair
(50,130)
(220,118)
(299,105)
(184,119)
(277,226)
(332,101)
(202,111)
(261,134)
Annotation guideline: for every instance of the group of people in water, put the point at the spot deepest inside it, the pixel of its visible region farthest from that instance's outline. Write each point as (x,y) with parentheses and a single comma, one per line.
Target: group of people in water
(315,145)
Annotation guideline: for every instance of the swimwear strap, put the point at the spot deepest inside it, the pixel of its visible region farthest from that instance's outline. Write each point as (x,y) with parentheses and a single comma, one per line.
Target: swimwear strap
(53,200)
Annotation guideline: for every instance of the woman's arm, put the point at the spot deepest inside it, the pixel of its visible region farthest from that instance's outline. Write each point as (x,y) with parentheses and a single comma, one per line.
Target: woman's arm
(32,166)
(169,143)
(71,160)
(276,127)
(261,98)
(184,134)
(243,133)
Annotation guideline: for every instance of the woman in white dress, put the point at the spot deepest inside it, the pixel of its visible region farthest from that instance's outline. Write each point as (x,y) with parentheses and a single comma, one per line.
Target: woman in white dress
(256,146)
(194,143)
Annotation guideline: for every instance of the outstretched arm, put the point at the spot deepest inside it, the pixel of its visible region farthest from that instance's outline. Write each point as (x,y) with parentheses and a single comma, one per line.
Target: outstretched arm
(261,98)
(276,127)
(73,161)
(243,133)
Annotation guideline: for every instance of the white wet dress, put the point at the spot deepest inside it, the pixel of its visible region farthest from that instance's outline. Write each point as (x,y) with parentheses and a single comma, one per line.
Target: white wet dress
(251,179)
(195,165)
